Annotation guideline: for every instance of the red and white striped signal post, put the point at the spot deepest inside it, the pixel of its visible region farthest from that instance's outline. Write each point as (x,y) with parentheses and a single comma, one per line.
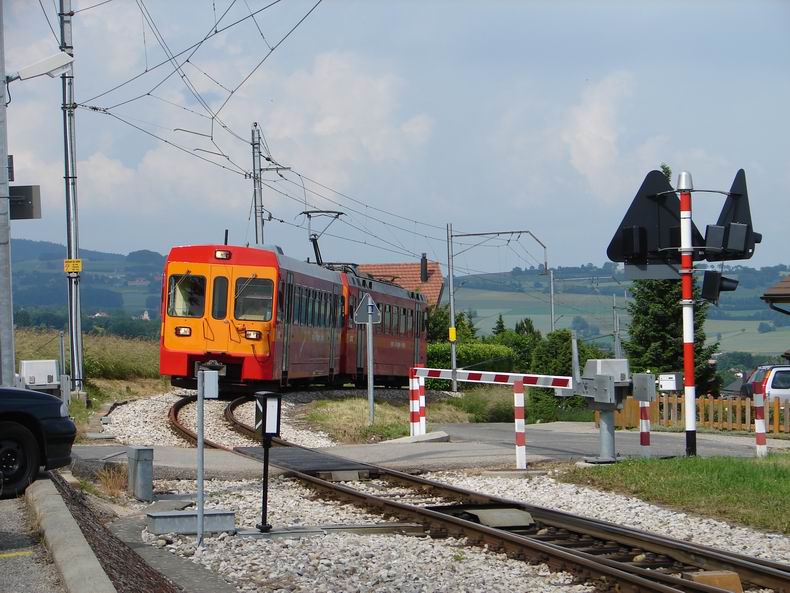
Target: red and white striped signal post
(685,187)
(644,428)
(761,445)
(518,413)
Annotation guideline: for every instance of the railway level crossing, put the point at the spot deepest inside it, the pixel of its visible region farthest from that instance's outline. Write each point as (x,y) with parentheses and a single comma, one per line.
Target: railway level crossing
(417,376)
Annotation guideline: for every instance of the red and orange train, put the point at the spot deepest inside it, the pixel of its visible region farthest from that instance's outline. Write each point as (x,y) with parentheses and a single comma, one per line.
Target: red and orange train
(267,321)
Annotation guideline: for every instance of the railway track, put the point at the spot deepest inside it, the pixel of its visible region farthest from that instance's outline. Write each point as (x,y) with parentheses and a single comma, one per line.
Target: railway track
(614,557)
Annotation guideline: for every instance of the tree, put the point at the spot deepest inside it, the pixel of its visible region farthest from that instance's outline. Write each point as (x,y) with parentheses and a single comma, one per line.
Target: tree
(499,327)
(439,325)
(656,333)
(526,327)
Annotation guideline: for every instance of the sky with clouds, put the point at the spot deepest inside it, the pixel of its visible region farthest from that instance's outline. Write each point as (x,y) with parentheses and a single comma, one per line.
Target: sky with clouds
(492,116)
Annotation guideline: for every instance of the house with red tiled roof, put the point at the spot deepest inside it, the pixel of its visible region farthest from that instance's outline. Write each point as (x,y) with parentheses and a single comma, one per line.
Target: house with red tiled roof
(423,276)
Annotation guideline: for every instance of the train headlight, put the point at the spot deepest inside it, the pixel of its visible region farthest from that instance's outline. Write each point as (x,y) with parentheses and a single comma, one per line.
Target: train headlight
(222,254)
(252,334)
(183,331)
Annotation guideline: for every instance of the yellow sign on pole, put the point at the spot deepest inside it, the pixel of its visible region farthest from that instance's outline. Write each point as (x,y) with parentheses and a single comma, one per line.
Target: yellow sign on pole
(452,334)
(71,266)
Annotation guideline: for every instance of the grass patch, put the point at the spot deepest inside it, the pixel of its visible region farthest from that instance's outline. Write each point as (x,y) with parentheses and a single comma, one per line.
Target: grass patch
(112,480)
(346,420)
(751,492)
(106,357)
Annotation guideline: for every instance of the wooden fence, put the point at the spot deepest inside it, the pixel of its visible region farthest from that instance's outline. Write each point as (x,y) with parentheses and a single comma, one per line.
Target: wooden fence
(734,413)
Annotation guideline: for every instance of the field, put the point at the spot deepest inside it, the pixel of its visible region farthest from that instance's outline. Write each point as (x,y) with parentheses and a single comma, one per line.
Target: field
(597,310)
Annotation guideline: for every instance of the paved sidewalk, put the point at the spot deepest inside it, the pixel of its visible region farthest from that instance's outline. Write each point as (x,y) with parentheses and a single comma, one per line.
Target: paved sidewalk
(24,562)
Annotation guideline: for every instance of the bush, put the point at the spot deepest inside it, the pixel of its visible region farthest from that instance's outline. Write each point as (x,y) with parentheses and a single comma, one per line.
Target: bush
(484,357)
(486,404)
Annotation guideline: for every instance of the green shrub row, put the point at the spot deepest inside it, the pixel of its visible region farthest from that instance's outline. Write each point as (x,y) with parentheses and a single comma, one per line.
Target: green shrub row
(476,355)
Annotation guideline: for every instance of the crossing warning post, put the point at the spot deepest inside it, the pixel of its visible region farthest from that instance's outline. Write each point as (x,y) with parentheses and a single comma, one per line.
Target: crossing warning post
(267,420)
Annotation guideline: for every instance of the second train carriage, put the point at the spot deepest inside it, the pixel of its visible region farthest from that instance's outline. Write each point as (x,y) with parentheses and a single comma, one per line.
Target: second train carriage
(269,321)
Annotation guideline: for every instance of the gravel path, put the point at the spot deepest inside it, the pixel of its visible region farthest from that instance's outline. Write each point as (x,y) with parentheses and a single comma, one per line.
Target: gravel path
(346,563)
(625,510)
(144,422)
(289,430)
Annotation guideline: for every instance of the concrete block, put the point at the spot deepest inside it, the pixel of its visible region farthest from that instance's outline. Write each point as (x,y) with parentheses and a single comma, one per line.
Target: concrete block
(140,469)
(347,475)
(723,579)
(432,437)
(214,521)
(99,436)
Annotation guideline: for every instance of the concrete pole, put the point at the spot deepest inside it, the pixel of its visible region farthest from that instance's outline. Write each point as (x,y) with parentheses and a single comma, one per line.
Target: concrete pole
(685,185)
(7,353)
(551,297)
(70,177)
(257,187)
(452,335)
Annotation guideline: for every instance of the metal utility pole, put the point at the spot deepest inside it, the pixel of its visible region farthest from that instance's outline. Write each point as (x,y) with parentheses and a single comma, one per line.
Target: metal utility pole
(685,187)
(451,336)
(73,265)
(7,354)
(257,197)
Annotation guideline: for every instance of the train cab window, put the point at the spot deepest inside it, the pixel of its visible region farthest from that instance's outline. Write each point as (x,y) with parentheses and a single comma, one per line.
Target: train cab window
(219,298)
(253,301)
(186,295)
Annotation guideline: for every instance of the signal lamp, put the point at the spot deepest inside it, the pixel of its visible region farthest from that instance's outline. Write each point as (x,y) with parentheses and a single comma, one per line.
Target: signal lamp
(252,334)
(183,331)
(713,283)
(222,254)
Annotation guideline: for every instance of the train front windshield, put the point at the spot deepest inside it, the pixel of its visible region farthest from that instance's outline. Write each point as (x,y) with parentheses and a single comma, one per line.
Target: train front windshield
(253,299)
(186,295)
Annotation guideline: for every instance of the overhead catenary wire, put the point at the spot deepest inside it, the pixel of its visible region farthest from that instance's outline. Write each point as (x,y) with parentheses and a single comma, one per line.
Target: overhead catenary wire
(51,28)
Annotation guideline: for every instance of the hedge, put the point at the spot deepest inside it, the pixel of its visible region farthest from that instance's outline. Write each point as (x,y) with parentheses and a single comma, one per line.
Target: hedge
(483,357)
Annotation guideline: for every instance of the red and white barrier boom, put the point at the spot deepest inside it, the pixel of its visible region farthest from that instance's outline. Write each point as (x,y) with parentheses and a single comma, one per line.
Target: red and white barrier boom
(518,380)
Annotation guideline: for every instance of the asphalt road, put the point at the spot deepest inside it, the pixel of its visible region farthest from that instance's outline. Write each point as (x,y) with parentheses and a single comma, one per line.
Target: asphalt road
(574,440)
(24,562)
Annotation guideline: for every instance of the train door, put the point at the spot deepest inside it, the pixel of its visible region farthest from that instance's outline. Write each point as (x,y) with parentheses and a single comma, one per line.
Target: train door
(287,320)
(216,325)
(333,330)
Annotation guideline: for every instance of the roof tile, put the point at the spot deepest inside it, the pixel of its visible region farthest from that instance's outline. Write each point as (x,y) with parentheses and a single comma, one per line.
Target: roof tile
(407,275)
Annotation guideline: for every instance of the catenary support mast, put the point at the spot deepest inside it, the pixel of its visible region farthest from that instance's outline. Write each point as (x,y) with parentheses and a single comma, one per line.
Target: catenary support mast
(70,178)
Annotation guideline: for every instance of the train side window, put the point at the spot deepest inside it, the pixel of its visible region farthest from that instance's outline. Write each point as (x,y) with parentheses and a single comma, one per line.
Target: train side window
(352,304)
(395,320)
(341,314)
(305,305)
(322,316)
(219,298)
(387,319)
(186,295)
(417,323)
(253,300)
(311,320)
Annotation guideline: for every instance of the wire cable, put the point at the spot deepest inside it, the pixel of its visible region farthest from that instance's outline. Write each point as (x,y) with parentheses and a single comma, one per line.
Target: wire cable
(51,28)
(92,6)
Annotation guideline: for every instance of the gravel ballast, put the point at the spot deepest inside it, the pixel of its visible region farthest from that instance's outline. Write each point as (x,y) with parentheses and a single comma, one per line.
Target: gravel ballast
(348,563)
(625,510)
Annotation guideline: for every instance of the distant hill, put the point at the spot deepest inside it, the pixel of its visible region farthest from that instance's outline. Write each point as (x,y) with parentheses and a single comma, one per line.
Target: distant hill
(109,280)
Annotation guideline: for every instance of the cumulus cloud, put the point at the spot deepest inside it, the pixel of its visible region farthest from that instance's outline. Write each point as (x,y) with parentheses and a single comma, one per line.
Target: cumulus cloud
(593,131)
